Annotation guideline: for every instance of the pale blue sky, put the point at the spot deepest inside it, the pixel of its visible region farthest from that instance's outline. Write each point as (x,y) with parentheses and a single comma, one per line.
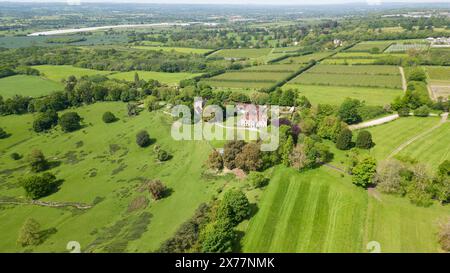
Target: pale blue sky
(276,2)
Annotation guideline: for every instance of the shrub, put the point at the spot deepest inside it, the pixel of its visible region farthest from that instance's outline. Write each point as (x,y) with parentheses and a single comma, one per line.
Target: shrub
(109,117)
(143,138)
(38,186)
(3,134)
(344,140)
(389,177)
(70,122)
(38,162)
(364,140)
(215,160)
(29,234)
(157,189)
(45,121)
(403,112)
(234,207)
(444,168)
(15,156)
(257,179)
(417,74)
(231,150)
(422,111)
(163,155)
(348,111)
(217,237)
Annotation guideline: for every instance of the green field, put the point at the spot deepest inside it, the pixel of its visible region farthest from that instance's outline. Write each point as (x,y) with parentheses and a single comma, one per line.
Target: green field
(350,58)
(24,85)
(243,53)
(60,72)
(163,77)
(391,135)
(369,45)
(306,58)
(405,47)
(346,75)
(186,50)
(102,162)
(431,149)
(439,73)
(289,49)
(238,85)
(274,68)
(335,95)
(251,76)
(320,211)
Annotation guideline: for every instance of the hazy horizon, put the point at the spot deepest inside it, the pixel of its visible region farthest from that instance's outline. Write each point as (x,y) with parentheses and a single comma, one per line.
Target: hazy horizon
(240,2)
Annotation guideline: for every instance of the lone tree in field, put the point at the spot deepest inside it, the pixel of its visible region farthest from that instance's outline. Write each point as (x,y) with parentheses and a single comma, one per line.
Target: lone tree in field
(29,233)
(38,162)
(109,117)
(364,140)
(444,236)
(3,134)
(157,189)
(234,207)
(215,160)
(143,138)
(45,121)
(364,172)
(344,140)
(38,186)
(70,122)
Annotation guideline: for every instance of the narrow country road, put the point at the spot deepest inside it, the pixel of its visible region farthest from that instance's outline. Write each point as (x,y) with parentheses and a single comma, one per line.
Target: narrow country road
(404,84)
(374,122)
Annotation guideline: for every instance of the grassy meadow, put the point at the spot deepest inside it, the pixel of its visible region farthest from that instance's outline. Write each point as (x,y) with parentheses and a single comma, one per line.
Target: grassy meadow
(32,86)
(185,50)
(101,165)
(58,73)
(321,211)
(163,77)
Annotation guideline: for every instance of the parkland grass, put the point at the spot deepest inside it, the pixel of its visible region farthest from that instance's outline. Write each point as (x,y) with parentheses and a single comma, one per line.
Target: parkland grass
(30,86)
(101,165)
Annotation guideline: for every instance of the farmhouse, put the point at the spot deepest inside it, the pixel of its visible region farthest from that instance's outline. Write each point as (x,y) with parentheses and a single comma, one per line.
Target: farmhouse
(252,116)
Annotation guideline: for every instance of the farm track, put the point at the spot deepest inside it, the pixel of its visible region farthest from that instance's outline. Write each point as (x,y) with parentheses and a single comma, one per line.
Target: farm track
(419,136)
(49,204)
(404,83)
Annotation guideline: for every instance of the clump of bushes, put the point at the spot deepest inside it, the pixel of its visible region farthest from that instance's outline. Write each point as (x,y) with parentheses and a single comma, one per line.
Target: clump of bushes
(109,117)
(257,179)
(344,140)
(162,155)
(157,189)
(45,121)
(15,156)
(422,111)
(3,134)
(38,162)
(143,139)
(364,140)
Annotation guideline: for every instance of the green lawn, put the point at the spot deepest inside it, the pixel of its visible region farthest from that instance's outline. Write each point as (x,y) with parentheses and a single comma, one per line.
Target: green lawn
(308,212)
(102,162)
(389,136)
(336,94)
(60,72)
(25,85)
(163,77)
(431,149)
(319,211)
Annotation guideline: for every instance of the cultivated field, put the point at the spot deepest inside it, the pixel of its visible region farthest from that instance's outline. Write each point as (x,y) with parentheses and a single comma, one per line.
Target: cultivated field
(439,80)
(101,165)
(406,47)
(249,78)
(335,95)
(186,50)
(61,72)
(357,76)
(369,45)
(25,85)
(304,59)
(163,77)
(274,68)
(350,58)
(243,53)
